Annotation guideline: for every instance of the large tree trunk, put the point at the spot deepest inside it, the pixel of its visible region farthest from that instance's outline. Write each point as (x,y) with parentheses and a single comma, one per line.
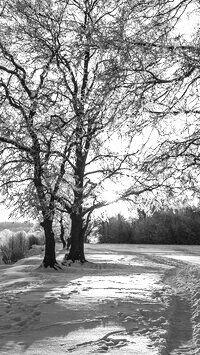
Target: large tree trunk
(76,252)
(50,255)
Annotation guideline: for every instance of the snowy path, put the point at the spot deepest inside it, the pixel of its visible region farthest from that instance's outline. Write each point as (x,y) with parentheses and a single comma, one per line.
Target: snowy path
(140,300)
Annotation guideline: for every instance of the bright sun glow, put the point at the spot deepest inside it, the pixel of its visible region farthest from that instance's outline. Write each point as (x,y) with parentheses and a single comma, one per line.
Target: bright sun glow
(113,209)
(109,196)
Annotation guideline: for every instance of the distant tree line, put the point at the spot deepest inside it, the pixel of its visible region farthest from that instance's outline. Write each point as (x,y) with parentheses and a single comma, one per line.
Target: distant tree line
(162,227)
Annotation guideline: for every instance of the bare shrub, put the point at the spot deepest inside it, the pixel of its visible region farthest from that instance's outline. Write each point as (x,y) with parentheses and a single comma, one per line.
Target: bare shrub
(17,245)
(15,248)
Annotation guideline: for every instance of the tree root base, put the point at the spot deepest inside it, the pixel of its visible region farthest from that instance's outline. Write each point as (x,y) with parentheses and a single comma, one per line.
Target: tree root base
(69,262)
(53,266)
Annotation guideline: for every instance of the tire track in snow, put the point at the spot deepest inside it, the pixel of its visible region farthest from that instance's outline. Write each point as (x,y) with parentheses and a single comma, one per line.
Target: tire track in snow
(182,335)
(180,332)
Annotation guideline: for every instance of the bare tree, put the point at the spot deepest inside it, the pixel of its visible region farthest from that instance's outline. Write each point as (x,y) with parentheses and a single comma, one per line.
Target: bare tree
(30,170)
(74,77)
(105,76)
(174,107)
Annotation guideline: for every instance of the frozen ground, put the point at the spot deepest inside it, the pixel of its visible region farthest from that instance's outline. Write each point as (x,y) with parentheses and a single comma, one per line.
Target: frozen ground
(129,299)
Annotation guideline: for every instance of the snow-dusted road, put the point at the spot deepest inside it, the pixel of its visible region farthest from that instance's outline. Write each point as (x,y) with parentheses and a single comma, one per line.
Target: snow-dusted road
(130,299)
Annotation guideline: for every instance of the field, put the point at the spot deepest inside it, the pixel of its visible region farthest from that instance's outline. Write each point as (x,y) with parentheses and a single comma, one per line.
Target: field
(128,299)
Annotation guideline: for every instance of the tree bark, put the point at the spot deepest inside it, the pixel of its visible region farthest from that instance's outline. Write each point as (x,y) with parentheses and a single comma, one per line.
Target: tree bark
(62,232)
(76,252)
(50,255)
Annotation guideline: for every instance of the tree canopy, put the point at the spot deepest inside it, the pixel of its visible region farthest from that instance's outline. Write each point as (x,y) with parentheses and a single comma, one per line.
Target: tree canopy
(83,83)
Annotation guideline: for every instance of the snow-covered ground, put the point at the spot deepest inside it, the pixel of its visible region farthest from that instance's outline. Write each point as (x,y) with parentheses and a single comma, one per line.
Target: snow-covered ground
(129,299)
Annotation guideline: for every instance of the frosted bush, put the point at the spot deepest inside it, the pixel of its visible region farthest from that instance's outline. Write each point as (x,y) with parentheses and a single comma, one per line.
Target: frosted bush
(14,248)
(4,235)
